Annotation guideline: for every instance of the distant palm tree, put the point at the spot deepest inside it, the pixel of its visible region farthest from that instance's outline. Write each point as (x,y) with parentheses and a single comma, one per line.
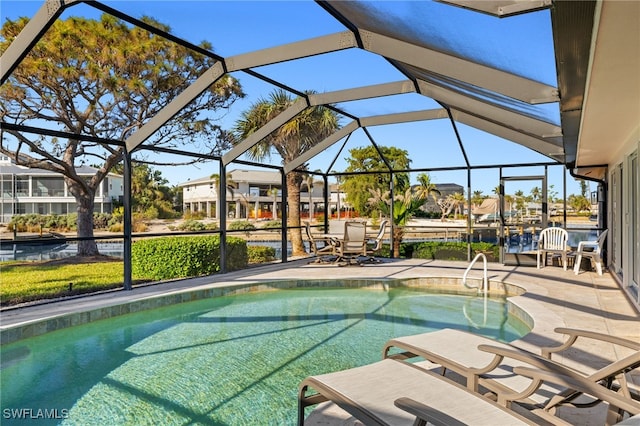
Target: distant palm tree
(273,192)
(477,198)
(308,181)
(291,140)
(459,200)
(231,187)
(426,188)
(536,194)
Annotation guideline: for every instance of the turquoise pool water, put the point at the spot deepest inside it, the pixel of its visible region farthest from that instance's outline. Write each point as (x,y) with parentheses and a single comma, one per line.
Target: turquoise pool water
(233,360)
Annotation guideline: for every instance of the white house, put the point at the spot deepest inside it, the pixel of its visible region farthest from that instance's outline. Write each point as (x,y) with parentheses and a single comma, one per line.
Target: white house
(26,190)
(251,194)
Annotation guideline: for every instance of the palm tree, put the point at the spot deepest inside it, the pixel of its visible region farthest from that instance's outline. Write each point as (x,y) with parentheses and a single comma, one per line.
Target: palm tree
(536,194)
(308,181)
(291,140)
(401,211)
(425,188)
(459,200)
(477,198)
(230,185)
(273,192)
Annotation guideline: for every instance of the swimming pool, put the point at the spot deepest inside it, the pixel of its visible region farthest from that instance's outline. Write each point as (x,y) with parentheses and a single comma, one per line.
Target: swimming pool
(229,360)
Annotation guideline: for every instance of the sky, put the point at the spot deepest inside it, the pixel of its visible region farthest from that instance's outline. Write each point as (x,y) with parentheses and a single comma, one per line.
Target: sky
(236,27)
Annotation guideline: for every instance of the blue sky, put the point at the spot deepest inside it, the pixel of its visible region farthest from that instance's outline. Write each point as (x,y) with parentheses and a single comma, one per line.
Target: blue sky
(430,145)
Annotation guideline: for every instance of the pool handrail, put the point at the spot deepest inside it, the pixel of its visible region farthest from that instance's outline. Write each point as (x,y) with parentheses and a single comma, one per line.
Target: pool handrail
(485,283)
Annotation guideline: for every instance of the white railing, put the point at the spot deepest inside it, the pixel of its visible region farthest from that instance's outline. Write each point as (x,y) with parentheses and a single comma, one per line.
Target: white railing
(485,289)
(485,283)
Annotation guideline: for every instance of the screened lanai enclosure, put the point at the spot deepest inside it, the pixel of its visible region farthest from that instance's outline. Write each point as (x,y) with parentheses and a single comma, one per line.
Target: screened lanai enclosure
(486,95)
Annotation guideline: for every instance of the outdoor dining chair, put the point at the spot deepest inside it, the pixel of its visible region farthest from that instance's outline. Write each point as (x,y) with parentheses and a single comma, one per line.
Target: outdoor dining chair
(552,241)
(319,246)
(375,245)
(353,244)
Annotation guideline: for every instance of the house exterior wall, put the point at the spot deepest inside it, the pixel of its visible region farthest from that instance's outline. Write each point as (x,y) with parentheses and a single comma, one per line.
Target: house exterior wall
(251,197)
(623,216)
(27,191)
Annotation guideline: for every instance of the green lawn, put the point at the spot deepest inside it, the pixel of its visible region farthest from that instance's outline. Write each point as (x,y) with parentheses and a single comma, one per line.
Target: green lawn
(24,282)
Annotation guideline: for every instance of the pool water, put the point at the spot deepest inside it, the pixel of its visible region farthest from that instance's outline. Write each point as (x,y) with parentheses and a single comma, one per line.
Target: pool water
(233,360)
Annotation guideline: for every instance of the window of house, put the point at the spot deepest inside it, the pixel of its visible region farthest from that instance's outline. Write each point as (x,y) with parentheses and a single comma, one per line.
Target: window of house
(48,187)
(22,186)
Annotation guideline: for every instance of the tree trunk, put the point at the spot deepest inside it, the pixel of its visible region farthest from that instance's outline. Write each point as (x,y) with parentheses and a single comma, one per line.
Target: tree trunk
(85,199)
(398,233)
(294,179)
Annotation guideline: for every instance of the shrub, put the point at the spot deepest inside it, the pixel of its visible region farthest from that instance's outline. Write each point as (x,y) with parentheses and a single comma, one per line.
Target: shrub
(116,227)
(151,213)
(273,224)
(241,225)
(191,225)
(101,220)
(261,254)
(211,226)
(194,215)
(451,250)
(181,257)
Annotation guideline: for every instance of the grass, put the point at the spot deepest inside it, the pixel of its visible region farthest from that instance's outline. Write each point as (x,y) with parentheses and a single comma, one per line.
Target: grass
(26,282)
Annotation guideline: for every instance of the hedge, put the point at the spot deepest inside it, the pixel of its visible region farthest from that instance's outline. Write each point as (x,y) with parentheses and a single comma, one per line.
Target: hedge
(444,250)
(180,257)
(452,250)
(261,254)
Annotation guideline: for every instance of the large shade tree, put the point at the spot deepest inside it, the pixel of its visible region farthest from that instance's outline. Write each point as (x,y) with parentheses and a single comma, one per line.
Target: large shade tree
(367,159)
(289,141)
(105,79)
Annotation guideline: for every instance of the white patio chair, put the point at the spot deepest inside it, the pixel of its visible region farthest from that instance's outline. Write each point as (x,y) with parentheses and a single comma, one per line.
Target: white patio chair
(552,241)
(592,250)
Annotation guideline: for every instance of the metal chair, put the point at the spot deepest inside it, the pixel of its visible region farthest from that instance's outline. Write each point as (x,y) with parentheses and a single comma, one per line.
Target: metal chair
(552,241)
(592,250)
(374,245)
(353,244)
(319,246)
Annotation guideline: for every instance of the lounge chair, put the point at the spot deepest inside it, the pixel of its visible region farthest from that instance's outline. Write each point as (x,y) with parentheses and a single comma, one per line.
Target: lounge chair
(592,250)
(352,245)
(368,393)
(391,392)
(319,246)
(617,403)
(481,361)
(552,241)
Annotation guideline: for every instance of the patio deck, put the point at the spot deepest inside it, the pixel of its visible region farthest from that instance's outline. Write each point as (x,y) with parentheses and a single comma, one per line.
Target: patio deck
(553,298)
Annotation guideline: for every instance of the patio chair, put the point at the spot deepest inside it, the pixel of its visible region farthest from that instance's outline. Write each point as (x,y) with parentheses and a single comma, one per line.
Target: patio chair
(426,414)
(391,392)
(353,244)
(374,245)
(319,246)
(368,393)
(552,241)
(592,250)
(484,362)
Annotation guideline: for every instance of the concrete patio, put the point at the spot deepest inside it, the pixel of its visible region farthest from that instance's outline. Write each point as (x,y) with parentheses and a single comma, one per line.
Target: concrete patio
(553,298)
